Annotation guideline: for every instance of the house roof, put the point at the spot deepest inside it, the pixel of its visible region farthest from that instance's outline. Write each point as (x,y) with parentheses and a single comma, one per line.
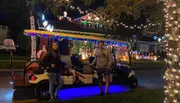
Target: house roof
(73,26)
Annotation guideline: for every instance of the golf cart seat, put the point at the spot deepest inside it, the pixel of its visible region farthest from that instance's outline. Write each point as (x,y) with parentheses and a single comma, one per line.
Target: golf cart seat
(66,73)
(67,77)
(86,74)
(76,63)
(84,71)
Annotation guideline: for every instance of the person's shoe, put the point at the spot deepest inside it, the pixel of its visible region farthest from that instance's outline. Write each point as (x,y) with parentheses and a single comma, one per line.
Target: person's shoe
(56,98)
(106,93)
(51,100)
(101,94)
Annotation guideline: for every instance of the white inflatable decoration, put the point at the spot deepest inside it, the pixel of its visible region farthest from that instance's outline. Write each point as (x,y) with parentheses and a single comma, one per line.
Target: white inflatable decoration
(8,44)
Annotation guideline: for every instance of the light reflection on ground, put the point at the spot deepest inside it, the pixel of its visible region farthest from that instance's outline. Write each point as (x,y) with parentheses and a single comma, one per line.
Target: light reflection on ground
(6,95)
(73,93)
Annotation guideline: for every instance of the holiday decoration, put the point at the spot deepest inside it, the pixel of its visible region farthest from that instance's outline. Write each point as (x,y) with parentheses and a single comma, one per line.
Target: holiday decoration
(172,88)
(81,43)
(33,40)
(65,16)
(46,25)
(9,44)
(43,43)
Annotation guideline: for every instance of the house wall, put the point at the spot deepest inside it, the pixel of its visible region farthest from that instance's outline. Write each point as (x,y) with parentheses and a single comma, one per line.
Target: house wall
(145,46)
(3,33)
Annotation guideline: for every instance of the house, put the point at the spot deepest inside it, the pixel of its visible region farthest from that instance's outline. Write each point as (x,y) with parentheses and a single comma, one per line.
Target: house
(147,46)
(3,33)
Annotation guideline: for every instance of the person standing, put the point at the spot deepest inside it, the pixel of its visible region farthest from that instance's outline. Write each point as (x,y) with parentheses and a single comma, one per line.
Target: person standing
(103,61)
(53,60)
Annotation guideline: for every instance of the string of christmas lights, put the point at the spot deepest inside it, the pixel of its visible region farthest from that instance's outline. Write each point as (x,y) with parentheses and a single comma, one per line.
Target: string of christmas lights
(172,73)
(33,40)
(141,26)
(80,10)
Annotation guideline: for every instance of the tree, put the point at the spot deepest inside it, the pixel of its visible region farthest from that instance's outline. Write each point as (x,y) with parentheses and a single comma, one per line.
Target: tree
(16,18)
(56,5)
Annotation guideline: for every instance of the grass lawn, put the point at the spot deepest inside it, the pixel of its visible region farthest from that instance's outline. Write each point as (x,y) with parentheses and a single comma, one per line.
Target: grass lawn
(20,60)
(16,64)
(6,56)
(145,63)
(138,96)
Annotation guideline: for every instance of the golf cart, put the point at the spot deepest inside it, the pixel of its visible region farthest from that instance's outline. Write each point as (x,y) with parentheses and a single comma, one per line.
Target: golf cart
(35,75)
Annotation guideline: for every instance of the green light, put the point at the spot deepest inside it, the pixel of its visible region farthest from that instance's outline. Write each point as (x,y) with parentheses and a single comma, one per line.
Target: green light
(84,22)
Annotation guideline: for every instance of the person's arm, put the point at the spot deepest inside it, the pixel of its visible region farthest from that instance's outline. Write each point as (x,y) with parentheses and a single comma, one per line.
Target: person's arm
(94,61)
(110,59)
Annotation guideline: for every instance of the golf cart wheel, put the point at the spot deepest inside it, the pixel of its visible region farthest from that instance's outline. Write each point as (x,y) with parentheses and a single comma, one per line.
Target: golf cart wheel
(133,82)
(42,90)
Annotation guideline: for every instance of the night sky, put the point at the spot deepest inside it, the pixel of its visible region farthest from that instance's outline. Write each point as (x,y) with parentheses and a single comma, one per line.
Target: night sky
(75,14)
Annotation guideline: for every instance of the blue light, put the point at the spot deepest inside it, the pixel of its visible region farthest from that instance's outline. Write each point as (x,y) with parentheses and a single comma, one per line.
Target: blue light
(43,17)
(163,37)
(155,37)
(73,93)
(70,38)
(45,35)
(74,38)
(32,34)
(6,95)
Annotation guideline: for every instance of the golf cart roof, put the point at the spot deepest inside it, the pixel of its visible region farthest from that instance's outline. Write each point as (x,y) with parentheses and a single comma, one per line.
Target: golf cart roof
(71,34)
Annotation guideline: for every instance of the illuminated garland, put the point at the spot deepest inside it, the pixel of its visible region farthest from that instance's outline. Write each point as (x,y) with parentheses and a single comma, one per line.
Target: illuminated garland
(141,26)
(80,10)
(172,88)
(33,40)
(75,32)
(60,38)
(97,20)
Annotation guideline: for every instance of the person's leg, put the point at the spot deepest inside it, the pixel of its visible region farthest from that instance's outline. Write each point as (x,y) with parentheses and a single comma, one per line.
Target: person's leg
(52,80)
(100,77)
(107,77)
(60,84)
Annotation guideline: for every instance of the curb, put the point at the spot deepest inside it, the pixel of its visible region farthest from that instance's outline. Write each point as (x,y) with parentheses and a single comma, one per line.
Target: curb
(8,70)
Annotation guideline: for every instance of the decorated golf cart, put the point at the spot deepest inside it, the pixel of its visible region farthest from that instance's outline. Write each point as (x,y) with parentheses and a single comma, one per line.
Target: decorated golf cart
(81,46)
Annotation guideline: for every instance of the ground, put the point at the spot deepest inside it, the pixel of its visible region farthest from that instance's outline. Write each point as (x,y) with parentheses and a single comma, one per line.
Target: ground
(149,79)
(20,60)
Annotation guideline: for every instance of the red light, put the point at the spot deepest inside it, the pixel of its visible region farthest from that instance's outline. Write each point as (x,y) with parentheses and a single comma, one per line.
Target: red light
(32,78)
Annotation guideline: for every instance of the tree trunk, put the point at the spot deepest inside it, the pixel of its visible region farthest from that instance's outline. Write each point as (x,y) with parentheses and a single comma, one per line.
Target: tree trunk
(172,88)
